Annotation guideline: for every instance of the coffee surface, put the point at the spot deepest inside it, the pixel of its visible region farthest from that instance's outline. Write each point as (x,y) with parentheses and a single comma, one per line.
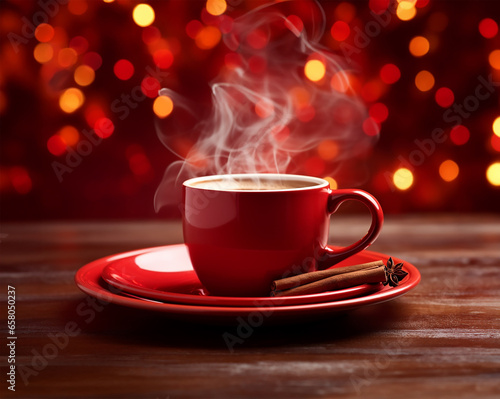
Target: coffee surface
(252,184)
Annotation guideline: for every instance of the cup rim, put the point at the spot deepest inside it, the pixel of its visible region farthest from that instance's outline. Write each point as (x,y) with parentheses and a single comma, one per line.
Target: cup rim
(320,183)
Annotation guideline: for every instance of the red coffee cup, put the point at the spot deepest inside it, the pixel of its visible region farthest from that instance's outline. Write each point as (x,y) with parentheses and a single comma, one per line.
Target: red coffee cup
(245,231)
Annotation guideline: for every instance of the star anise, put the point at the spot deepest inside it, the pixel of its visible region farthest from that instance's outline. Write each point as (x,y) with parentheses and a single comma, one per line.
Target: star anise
(394,273)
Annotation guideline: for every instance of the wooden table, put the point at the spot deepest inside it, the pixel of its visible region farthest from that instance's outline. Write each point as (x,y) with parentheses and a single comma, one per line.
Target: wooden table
(441,340)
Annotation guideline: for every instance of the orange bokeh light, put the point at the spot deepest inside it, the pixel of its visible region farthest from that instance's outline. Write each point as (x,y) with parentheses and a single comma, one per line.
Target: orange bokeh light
(43,52)
(216,7)
(448,170)
(67,57)
(424,81)
(494,59)
(419,46)
(208,37)
(44,32)
(328,150)
(69,135)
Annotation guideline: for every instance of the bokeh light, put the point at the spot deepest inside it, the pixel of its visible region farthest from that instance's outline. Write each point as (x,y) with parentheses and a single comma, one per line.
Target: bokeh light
(444,97)
(150,86)
(79,44)
(123,69)
(496,126)
(332,182)
(372,90)
(143,15)
(403,179)
(493,174)
(488,28)
(56,145)
(264,108)
(208,37)
(448,170)
(84,75)
(216,7)
(257,39)
(379,112)
(406,10)
(104,127)
(44,32)
(67,57)
(163,58)
(494,59)
(71,99)
(294,23)
(340,31)
(328,150)
(163,106)
(379,6)
(495,142)
(390,74)
(459,135)
(20,179)
(69,135)
(43,52)
(93,60)
(419,46)
(77,7)
(345,11)
(424,81)
(371,127)
(315,70)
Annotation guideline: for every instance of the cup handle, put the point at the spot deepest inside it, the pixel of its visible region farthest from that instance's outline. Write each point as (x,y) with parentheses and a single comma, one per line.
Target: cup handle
(329,257)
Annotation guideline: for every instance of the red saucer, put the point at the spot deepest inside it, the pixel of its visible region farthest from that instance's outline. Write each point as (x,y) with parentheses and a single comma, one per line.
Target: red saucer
(166,274)
(89,280)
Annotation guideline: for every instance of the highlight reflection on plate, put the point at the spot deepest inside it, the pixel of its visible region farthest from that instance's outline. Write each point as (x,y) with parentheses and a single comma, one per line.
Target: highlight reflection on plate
(167,275)
(89,280)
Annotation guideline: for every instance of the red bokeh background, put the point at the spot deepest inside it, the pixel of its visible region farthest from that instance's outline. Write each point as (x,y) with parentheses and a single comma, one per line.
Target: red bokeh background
(79,104)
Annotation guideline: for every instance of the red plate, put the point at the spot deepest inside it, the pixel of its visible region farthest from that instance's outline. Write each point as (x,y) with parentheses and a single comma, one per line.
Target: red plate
(89,280)
(166,274)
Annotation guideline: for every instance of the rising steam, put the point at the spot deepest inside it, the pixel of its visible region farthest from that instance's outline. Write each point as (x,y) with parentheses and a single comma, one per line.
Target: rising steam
(266,116)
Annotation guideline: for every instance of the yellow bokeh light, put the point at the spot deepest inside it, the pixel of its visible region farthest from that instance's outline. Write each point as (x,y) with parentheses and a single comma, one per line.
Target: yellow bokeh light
(424,81)
(332,181)
(406,10)
(496,126)
(448,170)
(43,52)
(163,106)
(208,37)
(403,179)
(216,7)
(69,135)
(494,59)
(143,15)
(71,99)
(493,174)
(315,70)
(419,46)
(84,75)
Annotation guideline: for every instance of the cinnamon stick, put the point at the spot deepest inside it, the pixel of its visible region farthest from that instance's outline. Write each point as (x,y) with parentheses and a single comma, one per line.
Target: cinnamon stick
(337,282)
(307,278)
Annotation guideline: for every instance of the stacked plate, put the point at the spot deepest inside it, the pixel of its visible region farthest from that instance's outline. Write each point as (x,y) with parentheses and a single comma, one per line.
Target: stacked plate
(162,279)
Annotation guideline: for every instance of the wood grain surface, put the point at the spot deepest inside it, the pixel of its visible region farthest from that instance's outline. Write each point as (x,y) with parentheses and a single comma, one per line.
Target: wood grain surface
(441,340)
